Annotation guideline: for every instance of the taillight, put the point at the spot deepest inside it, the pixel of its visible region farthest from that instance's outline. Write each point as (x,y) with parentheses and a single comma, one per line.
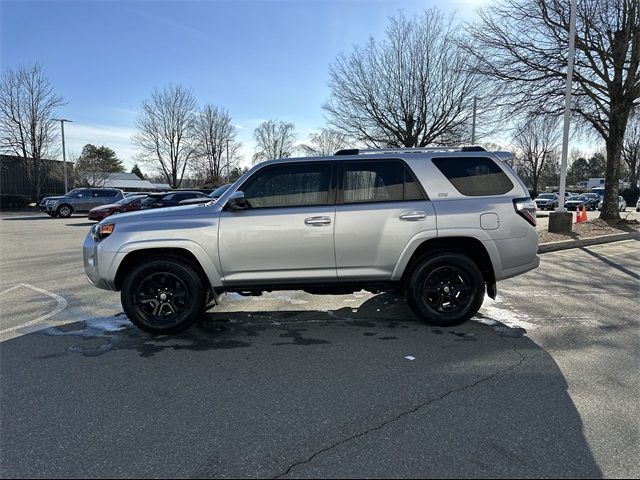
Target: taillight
(526,208)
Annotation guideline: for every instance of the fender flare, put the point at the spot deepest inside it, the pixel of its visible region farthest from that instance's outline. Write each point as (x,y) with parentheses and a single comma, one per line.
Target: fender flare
(473,233)
(203,258)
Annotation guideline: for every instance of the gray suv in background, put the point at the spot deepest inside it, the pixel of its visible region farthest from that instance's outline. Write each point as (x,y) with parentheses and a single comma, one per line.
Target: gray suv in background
(441,225)
(79,200)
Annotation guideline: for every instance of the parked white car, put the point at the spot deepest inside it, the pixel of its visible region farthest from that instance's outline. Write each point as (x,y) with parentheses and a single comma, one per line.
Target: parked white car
(622,204)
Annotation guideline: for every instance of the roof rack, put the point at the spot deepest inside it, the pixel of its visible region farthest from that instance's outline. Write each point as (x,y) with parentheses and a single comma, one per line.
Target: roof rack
(357,151)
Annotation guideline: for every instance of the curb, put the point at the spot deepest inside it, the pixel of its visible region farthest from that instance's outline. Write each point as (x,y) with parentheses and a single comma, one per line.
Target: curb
(567,244)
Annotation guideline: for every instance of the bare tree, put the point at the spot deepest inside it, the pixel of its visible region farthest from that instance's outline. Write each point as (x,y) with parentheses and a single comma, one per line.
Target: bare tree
(523,44)
(166,136)
(324,143)
(274,139)
(216,139)
(413,89)
(537,140)
(631,149)
(27,128)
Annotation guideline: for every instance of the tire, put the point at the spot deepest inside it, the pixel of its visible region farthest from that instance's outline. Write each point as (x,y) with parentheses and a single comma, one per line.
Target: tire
(441,274)
(163,295)
(64,211)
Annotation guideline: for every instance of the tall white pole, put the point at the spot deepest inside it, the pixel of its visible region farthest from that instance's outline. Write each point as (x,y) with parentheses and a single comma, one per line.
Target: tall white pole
(64,158)
(64,153)
(473,124)
(567,106)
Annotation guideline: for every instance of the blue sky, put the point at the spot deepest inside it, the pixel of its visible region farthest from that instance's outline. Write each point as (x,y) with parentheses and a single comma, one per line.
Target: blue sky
(259,59)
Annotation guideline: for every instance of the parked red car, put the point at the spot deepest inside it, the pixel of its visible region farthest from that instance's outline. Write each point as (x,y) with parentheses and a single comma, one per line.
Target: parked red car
(128,204)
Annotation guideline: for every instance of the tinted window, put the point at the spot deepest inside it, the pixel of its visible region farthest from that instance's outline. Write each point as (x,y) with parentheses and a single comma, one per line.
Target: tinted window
(474,176)
(379,181)
(289,186)
(104,193)
(412,190)
(178,197)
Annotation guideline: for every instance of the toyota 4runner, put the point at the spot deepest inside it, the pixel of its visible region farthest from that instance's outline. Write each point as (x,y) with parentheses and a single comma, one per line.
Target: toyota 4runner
(441,225)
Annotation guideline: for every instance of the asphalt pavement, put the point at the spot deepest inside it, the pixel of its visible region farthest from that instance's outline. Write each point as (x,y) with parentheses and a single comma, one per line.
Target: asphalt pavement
(544,382)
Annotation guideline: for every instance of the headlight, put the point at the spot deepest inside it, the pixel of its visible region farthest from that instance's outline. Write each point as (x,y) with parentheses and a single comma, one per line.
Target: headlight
(102,231)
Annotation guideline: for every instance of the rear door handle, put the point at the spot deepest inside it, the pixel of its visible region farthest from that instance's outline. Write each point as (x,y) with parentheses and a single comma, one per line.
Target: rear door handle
(413,216)
(317,221)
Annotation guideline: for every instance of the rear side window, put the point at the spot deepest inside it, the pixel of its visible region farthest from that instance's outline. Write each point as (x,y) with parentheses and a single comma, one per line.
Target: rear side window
(378,181)
(474,176)
(105,193)
(289,185)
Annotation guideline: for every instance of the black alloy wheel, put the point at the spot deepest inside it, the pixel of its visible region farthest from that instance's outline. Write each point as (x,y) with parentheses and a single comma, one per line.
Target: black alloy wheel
(445,289)
(164,295)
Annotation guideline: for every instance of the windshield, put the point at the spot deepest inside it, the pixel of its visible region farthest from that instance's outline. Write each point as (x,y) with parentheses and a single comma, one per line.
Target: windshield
(576,197)
(219,191)
(547,195)
(128,200)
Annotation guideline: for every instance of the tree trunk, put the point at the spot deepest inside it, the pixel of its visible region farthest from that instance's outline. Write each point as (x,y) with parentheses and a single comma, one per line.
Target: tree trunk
(618,119)
(610,209)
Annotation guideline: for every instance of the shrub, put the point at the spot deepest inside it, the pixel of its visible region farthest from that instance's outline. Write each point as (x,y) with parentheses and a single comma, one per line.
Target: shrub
(630,195)
(9,201)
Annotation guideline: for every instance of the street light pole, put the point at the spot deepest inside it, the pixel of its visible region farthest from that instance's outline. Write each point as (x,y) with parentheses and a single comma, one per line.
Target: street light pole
(473,124)
(228,164)
(64,153)
(561,221)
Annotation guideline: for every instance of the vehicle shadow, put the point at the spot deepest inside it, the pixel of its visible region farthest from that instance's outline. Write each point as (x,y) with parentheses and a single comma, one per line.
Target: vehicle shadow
(273,388)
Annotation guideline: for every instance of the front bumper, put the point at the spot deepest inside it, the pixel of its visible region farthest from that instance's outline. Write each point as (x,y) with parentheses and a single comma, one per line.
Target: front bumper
(97,263)
(48,208)
(543,205)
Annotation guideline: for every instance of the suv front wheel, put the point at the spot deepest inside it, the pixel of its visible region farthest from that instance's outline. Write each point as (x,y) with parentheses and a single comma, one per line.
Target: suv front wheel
(445,289)
(164,295)
(64,211)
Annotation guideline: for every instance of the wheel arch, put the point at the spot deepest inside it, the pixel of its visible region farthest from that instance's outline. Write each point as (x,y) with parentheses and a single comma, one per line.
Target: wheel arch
(471,247)
(194,256)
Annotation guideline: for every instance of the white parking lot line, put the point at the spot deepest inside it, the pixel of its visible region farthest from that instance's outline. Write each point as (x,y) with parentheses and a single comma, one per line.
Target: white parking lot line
(61,305)
(10,289)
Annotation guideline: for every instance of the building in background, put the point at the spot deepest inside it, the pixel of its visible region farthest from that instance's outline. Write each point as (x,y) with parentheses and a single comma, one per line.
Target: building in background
(14,179)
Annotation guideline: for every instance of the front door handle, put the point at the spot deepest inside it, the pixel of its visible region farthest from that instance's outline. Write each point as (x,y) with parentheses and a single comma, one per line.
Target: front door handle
(413,216)
(317,221)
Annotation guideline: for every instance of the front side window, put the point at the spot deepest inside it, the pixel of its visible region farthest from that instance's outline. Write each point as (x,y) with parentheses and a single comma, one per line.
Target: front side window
(296,185)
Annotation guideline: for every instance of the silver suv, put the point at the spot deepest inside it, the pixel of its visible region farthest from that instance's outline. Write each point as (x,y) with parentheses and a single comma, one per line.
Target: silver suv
(441,225)
(79,200)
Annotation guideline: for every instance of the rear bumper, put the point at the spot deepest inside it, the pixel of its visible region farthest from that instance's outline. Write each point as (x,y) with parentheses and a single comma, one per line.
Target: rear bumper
(520,269)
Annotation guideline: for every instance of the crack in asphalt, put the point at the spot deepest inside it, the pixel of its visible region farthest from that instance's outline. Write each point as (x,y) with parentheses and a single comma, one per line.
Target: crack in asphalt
(408,412)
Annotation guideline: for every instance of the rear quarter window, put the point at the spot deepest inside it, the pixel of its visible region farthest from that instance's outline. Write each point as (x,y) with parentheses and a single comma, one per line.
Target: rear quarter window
(474,176)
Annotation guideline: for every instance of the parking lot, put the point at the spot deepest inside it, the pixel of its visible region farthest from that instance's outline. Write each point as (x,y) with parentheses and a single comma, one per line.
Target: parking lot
(544,382)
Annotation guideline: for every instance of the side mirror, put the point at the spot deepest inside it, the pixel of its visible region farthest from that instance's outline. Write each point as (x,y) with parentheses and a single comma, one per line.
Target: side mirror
(237,201)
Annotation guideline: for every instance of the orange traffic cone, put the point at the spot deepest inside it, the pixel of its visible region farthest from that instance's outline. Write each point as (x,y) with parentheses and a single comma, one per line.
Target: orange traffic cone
(584,214)
(578,216)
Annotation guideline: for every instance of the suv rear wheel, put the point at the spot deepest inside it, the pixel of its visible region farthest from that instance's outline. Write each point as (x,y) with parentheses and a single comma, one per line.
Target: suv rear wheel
(445,289)
(164,295)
